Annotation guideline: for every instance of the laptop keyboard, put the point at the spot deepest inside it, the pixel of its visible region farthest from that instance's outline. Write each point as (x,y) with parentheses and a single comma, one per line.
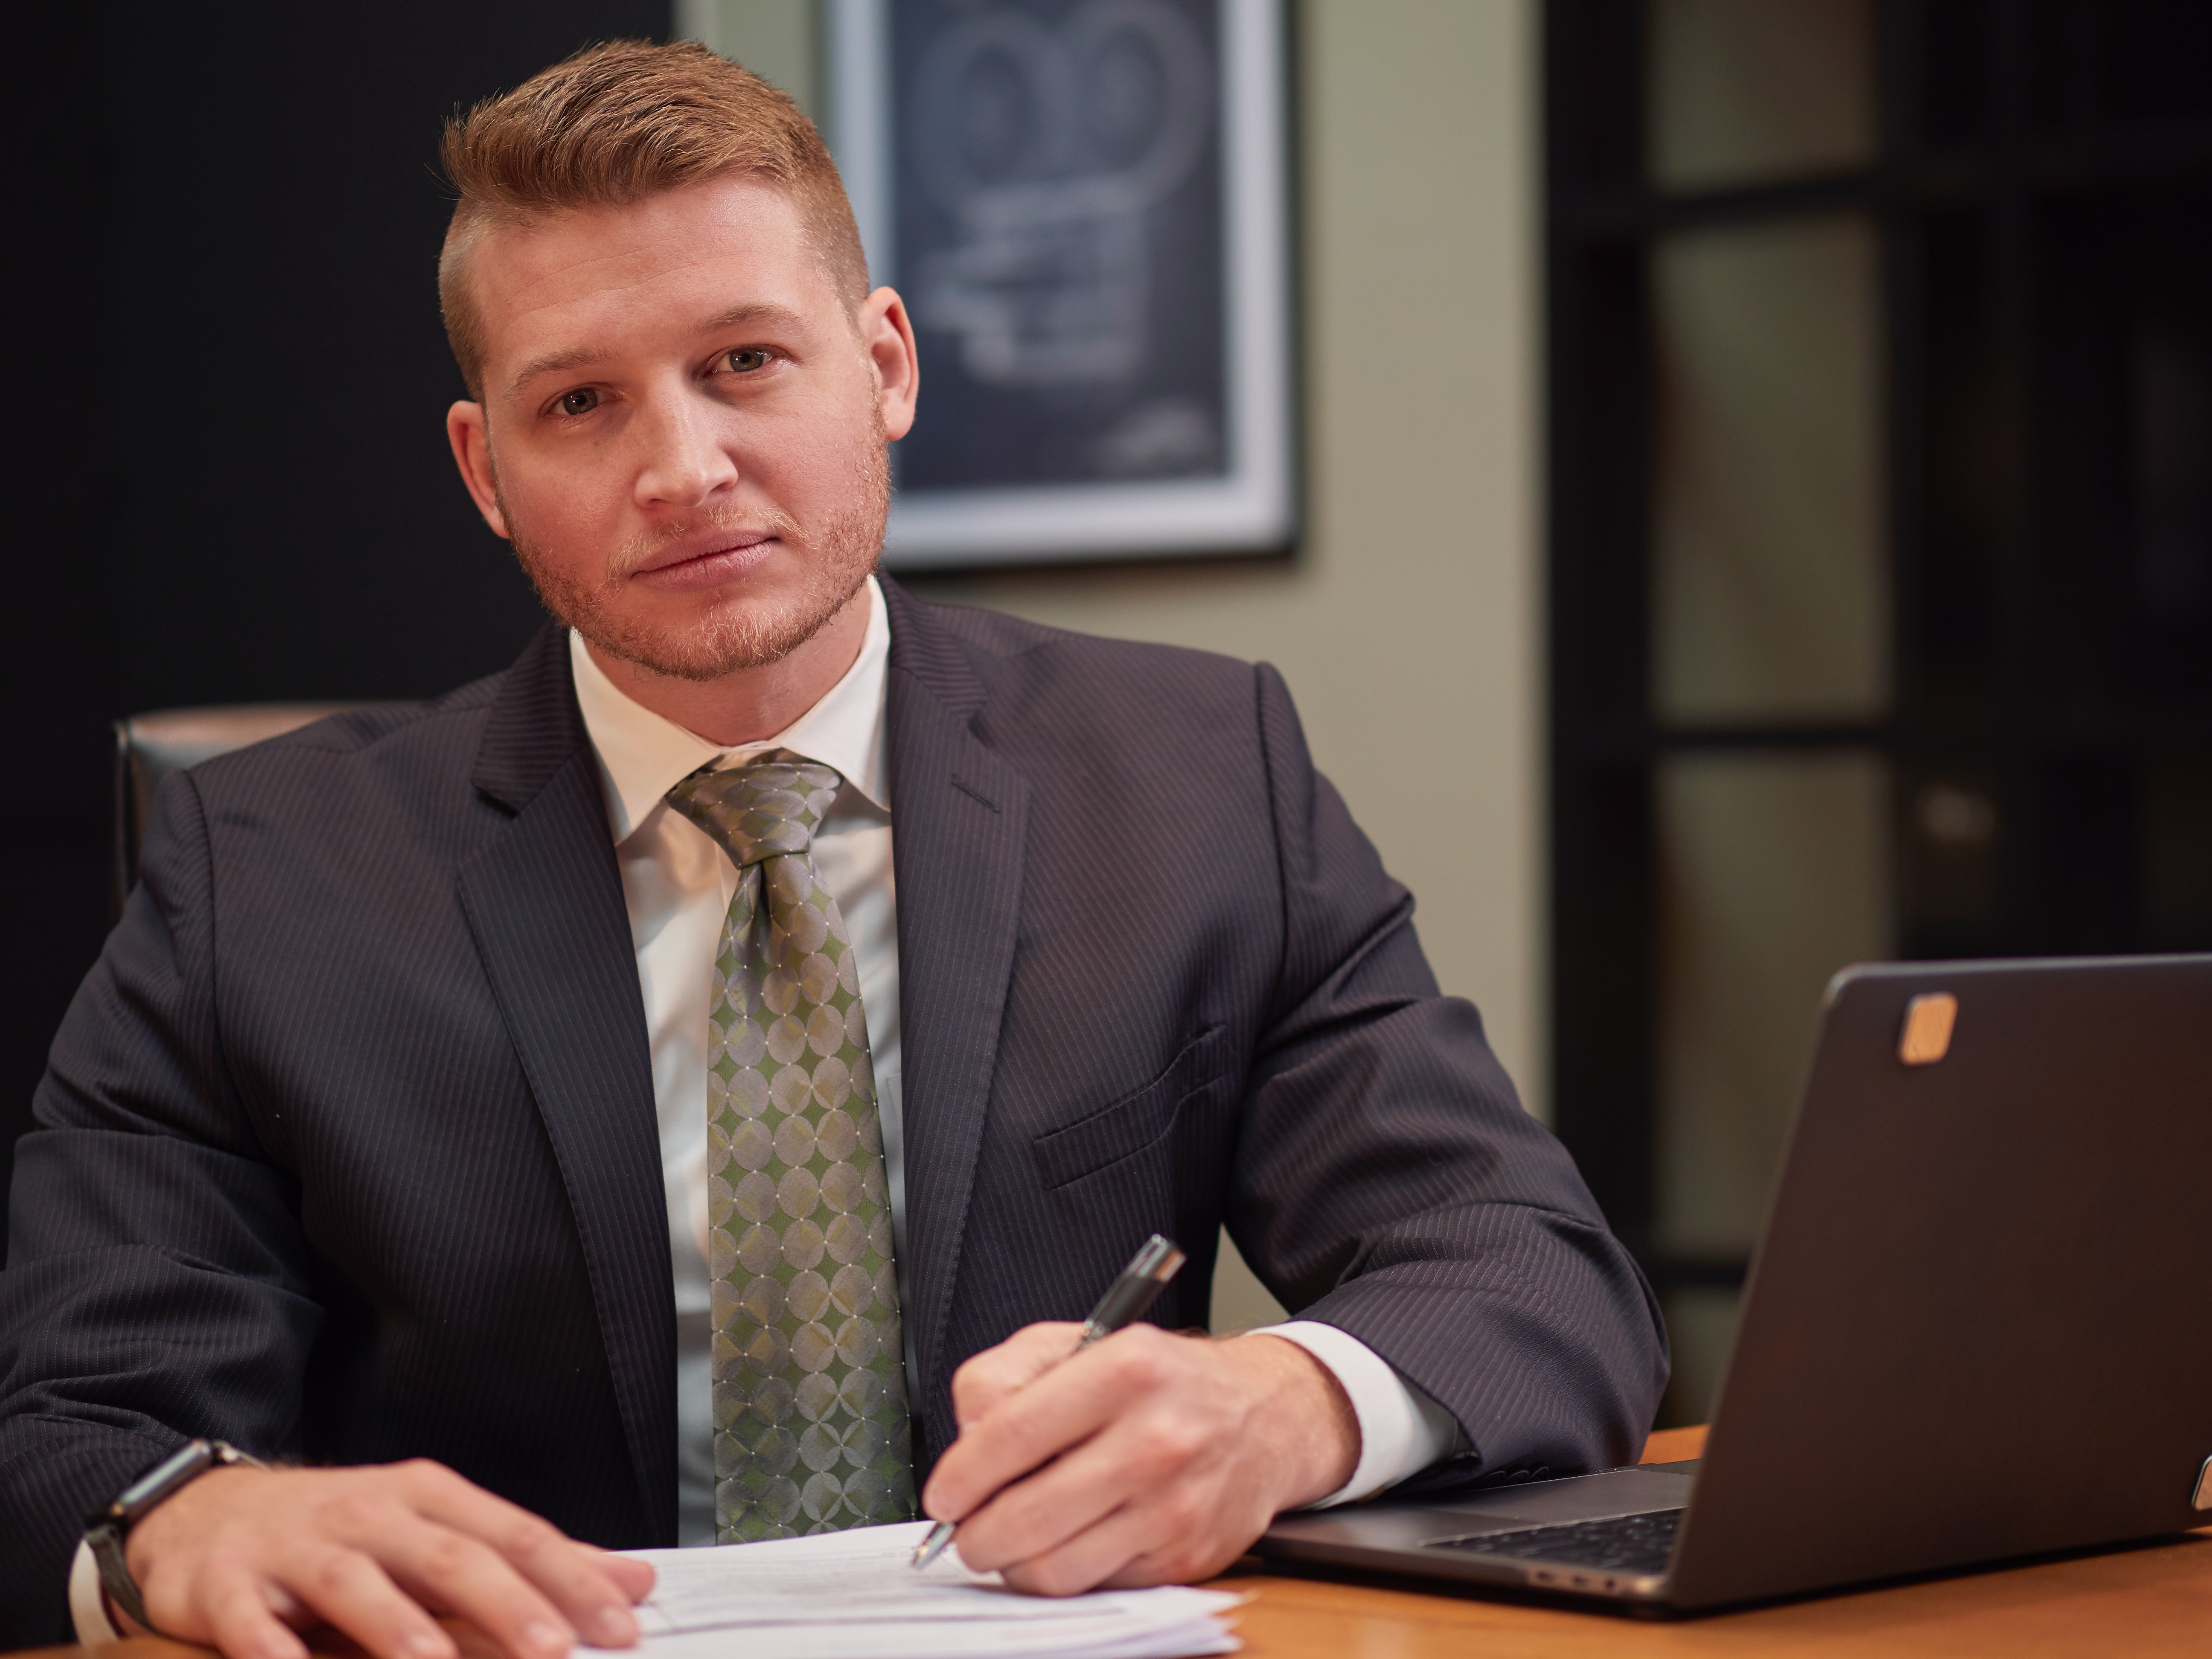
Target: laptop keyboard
(1621,1543)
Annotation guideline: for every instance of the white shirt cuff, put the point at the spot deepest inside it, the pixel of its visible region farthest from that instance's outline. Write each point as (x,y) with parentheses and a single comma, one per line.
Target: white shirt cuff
(87,1606)
(1401,1430)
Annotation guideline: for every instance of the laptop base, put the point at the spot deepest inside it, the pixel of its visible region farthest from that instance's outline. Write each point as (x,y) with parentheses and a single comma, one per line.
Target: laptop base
(1445,1537)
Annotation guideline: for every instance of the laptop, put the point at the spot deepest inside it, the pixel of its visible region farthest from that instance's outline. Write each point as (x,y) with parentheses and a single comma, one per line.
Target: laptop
(1977,1325)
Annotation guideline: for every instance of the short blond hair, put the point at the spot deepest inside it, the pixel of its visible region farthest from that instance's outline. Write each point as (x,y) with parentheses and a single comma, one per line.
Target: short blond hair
(612,125)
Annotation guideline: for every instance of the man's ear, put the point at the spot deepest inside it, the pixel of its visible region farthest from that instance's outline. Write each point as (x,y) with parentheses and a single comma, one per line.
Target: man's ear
(471,441)
(888,335)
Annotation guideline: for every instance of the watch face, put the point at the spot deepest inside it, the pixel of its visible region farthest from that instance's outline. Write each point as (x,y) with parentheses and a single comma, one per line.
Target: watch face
(151,1487)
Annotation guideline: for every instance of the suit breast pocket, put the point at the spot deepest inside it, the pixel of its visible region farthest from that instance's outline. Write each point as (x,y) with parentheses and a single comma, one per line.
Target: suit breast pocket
(1132,1123)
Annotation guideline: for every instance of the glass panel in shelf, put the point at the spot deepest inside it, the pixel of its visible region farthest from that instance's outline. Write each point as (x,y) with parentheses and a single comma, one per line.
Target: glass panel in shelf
(1749,91)
(1769,597)
(1774,872)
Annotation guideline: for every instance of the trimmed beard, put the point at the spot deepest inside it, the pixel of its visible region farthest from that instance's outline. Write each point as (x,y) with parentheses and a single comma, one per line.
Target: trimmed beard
(731,633)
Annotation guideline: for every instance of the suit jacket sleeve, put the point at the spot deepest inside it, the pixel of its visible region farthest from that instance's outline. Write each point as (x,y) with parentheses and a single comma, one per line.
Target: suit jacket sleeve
(155,1287)
(1389,1183)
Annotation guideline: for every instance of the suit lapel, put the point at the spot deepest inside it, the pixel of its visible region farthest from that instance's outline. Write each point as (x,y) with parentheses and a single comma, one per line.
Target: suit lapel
(959,814)
(545,903)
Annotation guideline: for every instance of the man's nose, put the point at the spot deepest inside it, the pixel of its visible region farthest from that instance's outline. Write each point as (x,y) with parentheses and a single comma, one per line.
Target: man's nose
(682,462)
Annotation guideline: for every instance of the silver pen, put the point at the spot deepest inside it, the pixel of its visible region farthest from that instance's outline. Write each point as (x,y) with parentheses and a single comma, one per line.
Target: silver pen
(1125,1300)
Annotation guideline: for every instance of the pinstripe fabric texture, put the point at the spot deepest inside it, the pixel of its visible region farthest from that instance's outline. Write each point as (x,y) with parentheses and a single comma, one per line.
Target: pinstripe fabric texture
(1264,1042)
(348,1150)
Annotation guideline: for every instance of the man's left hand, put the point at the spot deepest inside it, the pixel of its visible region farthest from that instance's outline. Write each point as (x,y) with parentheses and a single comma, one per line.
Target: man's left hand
(1147,1459)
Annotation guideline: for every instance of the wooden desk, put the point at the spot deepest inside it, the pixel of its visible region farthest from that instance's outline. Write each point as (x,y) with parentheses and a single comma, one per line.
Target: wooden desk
(2144,1603)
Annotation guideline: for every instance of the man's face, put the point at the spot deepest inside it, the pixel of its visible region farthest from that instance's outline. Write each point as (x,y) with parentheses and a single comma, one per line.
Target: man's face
(683,427)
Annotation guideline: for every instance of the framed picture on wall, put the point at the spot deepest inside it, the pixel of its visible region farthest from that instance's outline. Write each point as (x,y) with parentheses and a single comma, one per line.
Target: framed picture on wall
(1084,204)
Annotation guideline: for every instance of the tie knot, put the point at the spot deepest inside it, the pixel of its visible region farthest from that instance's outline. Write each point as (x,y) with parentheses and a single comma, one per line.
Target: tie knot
(768,806)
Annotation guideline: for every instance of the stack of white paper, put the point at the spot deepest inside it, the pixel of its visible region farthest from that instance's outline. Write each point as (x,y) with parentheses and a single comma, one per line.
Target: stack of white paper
(852,1596)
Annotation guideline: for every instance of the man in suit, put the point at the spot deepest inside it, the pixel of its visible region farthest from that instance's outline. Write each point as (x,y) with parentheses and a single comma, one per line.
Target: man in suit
(683,1087)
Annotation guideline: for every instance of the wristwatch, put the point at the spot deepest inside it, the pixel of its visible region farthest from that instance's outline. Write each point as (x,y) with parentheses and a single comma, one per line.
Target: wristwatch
(105,1530)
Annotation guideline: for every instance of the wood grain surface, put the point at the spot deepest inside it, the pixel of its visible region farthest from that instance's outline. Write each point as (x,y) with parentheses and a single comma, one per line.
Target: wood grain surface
(2153,1602)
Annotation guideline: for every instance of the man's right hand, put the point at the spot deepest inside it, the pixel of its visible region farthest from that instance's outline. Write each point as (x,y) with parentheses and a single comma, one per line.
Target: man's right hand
(243,1558)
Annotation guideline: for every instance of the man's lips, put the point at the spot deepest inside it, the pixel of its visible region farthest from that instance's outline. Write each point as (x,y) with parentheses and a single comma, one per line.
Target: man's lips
(706,561)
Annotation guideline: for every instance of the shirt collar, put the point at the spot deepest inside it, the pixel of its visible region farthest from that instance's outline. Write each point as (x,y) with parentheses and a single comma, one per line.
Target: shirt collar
(642,755)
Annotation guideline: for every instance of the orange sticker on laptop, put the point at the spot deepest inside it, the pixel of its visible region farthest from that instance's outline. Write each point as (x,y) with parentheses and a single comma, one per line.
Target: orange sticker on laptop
(1928,1022)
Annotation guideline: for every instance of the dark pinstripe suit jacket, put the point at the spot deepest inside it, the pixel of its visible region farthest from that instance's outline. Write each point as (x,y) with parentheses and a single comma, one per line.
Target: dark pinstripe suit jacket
(348,1150)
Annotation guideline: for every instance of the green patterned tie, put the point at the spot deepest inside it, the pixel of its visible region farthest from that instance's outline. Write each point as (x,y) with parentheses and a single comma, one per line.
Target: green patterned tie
(811,1430)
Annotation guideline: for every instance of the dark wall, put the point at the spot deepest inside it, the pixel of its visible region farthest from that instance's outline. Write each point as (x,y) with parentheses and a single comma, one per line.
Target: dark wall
(236,485)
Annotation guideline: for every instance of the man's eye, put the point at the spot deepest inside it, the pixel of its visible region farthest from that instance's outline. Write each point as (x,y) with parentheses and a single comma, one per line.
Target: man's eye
(582,401)
(748,359)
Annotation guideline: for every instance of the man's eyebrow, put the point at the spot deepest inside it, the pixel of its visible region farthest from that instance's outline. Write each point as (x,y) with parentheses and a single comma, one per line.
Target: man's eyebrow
(738,316)
(555,362)
(753,310)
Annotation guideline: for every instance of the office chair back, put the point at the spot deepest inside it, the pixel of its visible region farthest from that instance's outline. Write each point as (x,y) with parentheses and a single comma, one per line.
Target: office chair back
(149,747)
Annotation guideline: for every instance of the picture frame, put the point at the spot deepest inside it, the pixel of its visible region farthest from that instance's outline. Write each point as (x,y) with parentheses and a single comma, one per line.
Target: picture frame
(1086,204)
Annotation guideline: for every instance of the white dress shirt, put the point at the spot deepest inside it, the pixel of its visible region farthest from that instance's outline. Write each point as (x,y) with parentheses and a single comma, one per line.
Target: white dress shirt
(678,883)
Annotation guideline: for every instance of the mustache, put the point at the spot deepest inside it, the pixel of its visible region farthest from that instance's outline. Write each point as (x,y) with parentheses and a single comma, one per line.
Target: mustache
(755,521)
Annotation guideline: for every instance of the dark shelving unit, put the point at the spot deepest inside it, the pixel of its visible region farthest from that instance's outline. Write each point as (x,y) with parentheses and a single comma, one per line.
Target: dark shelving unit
(2043,198)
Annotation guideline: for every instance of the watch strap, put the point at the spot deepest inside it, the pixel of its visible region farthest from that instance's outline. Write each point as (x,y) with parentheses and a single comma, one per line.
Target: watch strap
(106,1542)
(106,1532)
